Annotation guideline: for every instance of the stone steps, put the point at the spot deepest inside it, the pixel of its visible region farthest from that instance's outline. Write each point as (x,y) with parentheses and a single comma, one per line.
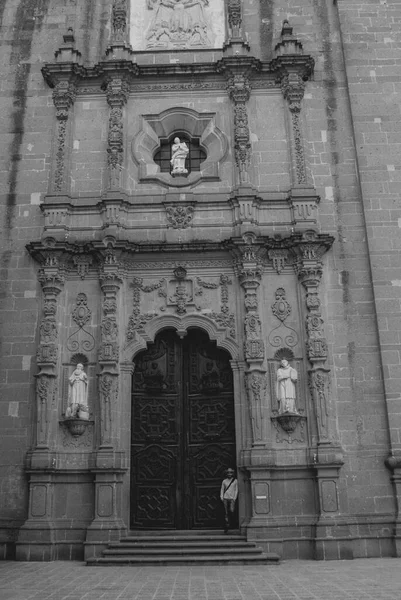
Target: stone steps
(183,548)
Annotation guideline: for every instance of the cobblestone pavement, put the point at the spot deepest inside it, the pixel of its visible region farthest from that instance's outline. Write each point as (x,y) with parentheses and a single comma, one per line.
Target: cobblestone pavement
(362,579)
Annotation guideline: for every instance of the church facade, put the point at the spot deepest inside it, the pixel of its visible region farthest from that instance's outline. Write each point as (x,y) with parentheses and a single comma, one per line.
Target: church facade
(201,270)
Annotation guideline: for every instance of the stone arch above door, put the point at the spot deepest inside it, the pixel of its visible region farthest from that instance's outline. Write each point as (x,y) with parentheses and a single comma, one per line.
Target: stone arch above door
(181,325)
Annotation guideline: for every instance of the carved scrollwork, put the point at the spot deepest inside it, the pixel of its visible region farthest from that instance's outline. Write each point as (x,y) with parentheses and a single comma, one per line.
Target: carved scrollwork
(81,315)
(179,217)
(137,320)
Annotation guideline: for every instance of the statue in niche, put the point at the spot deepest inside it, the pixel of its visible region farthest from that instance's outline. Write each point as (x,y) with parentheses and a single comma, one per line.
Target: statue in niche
(177,23)
(179,154)
(285,388)
(78,394)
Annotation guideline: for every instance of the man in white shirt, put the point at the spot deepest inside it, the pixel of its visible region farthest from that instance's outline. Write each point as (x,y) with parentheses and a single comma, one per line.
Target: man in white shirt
(228,495)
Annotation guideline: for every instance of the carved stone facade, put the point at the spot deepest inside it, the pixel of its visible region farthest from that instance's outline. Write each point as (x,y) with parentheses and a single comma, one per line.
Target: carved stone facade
(182,294)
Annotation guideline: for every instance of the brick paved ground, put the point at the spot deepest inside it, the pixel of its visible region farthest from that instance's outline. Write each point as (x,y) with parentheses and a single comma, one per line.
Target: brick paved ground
(364,579)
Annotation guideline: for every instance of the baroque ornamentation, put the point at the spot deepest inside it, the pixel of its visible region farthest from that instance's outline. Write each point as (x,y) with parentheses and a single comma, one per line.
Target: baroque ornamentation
(293,90)
(282,334)
(256,385)
(82,262)
(309,251)
(289,428)
(234,9)
(119,20)
(117,90)
(108,393)
(63,97)
(179,217)
(239,90)
(278,257)
(137,320)
(225,318)
(319,386)
(81,315)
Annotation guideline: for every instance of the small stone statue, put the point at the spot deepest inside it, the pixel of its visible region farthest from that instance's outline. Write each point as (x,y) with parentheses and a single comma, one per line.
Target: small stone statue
(179,153)
(285,388)
(78,394)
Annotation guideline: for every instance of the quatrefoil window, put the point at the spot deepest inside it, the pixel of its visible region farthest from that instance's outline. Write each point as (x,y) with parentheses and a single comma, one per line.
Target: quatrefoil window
(151,147)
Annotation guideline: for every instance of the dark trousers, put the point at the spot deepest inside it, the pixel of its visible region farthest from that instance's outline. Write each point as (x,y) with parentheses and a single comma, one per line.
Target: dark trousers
(229,507)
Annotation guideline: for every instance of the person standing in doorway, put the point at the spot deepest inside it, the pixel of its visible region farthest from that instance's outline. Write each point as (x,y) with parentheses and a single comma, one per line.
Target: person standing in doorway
(228,495)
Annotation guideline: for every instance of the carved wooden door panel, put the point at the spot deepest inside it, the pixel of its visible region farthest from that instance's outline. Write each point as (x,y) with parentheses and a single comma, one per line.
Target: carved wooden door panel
(183,433)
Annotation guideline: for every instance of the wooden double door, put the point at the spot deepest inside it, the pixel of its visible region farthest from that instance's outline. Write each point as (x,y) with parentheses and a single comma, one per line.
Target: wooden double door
(183,434)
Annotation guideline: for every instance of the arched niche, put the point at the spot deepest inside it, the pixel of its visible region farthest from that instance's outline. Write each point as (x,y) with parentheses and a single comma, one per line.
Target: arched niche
(163,125)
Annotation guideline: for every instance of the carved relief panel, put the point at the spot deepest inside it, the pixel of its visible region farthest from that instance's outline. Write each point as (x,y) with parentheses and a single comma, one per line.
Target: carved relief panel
(177,24)
(181,292)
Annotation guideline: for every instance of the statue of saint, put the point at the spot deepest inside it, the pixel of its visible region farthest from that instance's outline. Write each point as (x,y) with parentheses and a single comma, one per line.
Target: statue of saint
(285,388)
(78,392)
(179,154)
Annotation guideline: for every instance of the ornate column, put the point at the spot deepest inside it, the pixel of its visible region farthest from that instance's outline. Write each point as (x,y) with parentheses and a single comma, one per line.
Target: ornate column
(117,95)
(110,463)
(110,283)
(246,252)
(51,277)
(41,461)
(293,89)
(294,69)
(239,90)
(327,454)
(64,94)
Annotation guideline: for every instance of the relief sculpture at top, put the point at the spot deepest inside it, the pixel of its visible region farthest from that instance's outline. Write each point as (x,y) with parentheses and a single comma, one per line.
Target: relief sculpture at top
(178,24)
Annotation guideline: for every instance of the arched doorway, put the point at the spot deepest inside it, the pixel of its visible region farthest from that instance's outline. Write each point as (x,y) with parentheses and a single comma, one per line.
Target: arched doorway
(182,432)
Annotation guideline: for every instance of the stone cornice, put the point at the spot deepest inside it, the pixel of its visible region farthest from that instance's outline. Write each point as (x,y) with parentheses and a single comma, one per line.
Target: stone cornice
(134,73)
(250,252)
